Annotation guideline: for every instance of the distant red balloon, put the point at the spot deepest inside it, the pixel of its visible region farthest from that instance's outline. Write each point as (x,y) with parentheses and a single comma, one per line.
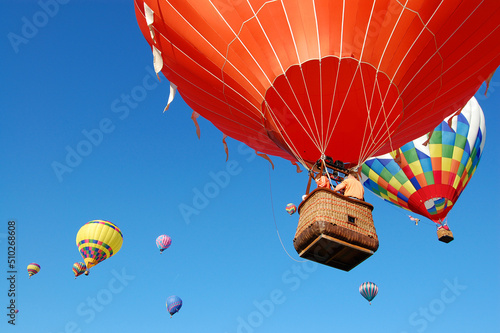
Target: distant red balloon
(302,79)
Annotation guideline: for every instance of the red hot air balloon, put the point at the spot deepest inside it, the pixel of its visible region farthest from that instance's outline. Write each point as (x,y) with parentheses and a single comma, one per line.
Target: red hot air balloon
(306,79)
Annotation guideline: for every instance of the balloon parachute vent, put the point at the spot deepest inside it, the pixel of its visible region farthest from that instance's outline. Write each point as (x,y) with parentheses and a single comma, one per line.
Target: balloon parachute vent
(334,230)
(444,235)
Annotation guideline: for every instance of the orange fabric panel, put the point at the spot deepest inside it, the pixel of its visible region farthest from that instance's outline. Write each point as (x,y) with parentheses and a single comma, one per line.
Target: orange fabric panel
(302,78)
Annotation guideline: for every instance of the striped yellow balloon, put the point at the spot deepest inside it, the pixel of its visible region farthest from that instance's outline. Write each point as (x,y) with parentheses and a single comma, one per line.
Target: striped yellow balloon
(33,268)
(98,240)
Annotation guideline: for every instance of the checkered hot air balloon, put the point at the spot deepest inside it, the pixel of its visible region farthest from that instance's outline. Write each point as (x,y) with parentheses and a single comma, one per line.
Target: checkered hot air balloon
(427,175)
(79,268)
(368,290)
(290,208)
(174,304)
(163,242)
(33,269)
(97,241)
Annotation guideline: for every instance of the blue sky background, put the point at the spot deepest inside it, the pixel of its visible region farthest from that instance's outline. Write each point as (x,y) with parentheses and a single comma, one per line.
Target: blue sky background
(86,68)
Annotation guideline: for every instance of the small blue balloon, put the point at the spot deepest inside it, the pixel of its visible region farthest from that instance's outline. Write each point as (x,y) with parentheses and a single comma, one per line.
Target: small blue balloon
(174,304)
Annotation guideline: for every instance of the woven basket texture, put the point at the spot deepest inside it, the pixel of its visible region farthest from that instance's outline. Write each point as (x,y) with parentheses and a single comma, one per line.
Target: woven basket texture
(445,235)
(327,212)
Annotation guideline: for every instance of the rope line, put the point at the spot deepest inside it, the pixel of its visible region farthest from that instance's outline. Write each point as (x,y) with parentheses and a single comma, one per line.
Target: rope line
(274,218)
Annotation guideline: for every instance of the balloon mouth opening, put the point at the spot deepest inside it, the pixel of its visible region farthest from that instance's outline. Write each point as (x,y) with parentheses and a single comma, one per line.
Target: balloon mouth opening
(89,263)
(305,146)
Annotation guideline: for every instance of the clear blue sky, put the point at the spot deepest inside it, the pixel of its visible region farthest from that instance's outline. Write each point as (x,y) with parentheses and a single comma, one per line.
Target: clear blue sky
(86,68)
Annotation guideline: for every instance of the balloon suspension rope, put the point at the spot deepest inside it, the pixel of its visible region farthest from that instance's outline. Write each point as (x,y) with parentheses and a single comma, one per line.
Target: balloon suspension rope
(442,223)
(324,167)
(274,218)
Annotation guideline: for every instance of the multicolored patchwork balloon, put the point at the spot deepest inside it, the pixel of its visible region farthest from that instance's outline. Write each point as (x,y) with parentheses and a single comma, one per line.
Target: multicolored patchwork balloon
(368,290)
(98,240)
(33,269)
(426,176)
(163,242)
(290,208)
(79,268)
(174,304)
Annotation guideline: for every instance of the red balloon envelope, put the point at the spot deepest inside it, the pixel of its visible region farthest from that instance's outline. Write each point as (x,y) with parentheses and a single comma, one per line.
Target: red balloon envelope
(301,79)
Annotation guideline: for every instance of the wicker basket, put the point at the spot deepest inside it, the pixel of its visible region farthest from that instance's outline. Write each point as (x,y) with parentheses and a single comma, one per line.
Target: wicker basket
(444,235)
(335,230)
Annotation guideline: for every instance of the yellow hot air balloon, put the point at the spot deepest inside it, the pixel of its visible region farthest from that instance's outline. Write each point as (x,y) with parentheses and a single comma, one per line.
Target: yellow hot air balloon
(33,268)
(98,240)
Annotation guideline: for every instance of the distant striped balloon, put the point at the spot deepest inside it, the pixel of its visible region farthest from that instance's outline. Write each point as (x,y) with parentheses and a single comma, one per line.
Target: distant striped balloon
(290,208)
(33,269)
(174,304)
(163,242)
(79,268)
(368,290)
